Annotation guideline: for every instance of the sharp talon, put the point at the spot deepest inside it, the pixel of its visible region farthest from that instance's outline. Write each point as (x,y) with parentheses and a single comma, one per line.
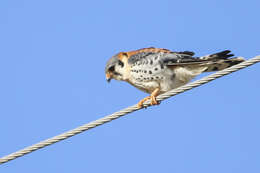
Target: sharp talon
(152,99)
(140,104)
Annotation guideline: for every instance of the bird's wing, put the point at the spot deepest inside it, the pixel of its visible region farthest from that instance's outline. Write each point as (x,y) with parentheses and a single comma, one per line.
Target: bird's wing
(213,62)
(138,55)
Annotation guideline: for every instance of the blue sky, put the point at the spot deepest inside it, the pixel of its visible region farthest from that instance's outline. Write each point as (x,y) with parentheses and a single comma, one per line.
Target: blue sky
(52,62)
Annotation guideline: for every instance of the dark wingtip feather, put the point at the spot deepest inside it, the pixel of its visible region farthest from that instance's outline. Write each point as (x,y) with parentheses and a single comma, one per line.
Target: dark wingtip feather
(223,55)
(225,52)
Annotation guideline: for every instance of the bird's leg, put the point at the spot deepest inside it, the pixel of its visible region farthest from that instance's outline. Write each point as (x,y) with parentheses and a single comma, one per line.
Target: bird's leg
(152,97)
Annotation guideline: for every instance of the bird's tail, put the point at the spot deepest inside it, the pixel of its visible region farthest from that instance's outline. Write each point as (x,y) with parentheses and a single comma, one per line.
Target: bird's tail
(220,61)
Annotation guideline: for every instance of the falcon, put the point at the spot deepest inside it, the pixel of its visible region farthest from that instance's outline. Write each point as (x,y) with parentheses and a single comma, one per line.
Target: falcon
(156,70)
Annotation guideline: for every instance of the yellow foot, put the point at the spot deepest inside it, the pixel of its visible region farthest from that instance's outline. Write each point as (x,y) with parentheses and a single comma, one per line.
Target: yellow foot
(152,98)
(154,94)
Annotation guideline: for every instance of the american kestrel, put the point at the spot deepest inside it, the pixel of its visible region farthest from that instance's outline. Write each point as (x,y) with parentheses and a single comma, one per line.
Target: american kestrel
(156,70)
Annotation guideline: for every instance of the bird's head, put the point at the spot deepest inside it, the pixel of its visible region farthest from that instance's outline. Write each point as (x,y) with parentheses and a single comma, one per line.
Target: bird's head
(114,68)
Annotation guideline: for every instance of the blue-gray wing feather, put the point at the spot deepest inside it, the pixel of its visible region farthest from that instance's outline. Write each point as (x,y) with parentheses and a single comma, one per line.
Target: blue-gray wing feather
(166,58)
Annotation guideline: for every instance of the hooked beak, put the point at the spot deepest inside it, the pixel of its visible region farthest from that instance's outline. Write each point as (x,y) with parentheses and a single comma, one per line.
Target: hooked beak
(108,77)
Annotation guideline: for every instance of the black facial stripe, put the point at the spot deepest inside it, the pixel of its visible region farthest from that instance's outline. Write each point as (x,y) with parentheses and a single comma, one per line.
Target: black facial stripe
(121,63)
(112,68)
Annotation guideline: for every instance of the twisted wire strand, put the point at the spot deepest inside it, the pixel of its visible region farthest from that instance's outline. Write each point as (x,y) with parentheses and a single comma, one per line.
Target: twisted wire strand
(125,111)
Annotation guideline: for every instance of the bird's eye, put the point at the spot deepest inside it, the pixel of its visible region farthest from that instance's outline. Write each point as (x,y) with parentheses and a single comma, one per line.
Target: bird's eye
(121,63)
(112,68)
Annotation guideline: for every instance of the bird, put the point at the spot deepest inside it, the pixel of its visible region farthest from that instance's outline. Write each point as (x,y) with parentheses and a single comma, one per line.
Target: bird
(158,70)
